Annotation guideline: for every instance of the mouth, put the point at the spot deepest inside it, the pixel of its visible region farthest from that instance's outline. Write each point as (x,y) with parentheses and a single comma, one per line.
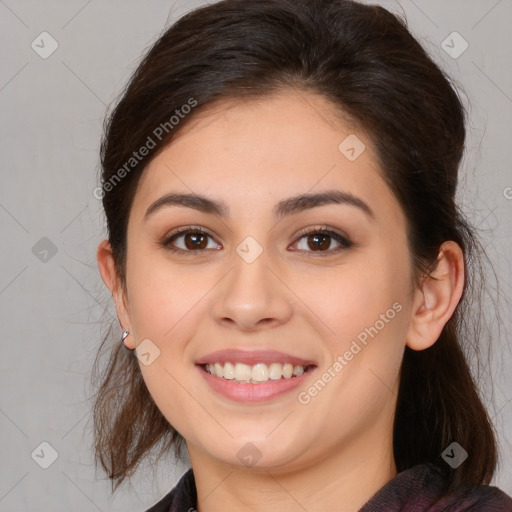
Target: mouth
(257,373)
(254,376)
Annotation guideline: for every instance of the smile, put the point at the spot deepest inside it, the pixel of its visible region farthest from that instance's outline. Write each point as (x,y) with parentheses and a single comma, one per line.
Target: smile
(256,373)
(253,376)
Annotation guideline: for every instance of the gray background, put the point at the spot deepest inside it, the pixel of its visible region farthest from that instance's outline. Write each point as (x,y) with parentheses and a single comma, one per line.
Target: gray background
(53,306)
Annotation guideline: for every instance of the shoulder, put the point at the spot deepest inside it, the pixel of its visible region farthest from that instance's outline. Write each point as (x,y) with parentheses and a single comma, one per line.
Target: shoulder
(181,498)
(421,489)
(418,489)
(474,499)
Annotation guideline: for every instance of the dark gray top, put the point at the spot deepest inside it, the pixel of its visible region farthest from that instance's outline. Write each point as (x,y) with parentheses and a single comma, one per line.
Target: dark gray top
(418,489)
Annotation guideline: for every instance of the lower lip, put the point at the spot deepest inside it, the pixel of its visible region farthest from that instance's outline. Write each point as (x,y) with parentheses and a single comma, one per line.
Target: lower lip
(247,392)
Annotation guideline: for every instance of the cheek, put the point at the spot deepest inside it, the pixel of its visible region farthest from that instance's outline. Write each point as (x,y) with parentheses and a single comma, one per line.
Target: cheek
(366,305)
(352,298)
(162,295)
(166,307)
(366,308)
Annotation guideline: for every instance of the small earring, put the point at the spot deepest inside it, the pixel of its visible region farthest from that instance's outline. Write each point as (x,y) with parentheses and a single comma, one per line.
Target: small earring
(125,335)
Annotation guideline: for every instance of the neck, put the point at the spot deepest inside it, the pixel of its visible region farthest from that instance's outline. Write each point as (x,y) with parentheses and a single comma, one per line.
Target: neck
(342,481)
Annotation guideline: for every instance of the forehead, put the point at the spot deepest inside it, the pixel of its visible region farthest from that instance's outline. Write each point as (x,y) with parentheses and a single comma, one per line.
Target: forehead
(249,153)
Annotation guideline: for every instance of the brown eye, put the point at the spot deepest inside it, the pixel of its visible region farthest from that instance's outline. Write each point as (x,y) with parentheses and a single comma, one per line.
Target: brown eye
(319,241)
(194,240)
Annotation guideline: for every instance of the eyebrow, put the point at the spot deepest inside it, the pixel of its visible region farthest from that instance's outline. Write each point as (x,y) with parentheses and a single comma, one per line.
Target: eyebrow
(284,208)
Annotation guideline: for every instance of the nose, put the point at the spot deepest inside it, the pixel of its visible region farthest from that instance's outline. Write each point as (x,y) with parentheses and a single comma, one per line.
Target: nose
(252,296)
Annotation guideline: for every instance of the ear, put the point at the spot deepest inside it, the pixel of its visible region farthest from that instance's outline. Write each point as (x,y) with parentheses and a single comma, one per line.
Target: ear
(111,279)
(437,297)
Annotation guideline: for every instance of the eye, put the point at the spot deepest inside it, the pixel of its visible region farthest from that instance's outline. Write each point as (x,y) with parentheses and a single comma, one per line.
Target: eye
(195,240)
(319,240)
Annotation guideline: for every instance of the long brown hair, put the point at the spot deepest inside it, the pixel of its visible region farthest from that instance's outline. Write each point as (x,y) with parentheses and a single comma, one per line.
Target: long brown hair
(366,62)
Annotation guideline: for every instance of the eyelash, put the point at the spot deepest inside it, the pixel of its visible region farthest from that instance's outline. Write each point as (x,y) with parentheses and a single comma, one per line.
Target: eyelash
(344,242)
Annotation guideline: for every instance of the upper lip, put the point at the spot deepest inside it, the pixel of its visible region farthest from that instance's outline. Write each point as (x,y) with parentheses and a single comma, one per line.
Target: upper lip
(252,357)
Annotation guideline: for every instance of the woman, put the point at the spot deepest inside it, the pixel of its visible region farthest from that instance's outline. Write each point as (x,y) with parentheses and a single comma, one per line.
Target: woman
(290,269)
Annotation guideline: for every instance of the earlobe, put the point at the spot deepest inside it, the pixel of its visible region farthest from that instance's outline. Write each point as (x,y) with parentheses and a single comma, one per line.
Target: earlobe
(108,272)
(437,297)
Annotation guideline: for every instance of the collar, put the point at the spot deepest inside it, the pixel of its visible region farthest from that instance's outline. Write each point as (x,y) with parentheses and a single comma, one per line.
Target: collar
(417,489)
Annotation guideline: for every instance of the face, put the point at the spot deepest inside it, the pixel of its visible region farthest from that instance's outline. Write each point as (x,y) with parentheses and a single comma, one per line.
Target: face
(266,285)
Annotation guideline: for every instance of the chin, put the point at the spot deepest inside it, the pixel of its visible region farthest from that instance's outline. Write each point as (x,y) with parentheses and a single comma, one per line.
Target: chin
(257,452)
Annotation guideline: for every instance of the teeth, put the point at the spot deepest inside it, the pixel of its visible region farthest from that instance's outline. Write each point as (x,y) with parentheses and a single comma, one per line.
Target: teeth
(219,370)
(229,371)
(298,370)
(257,373)
(275,371)
(242,372)
(260,372)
